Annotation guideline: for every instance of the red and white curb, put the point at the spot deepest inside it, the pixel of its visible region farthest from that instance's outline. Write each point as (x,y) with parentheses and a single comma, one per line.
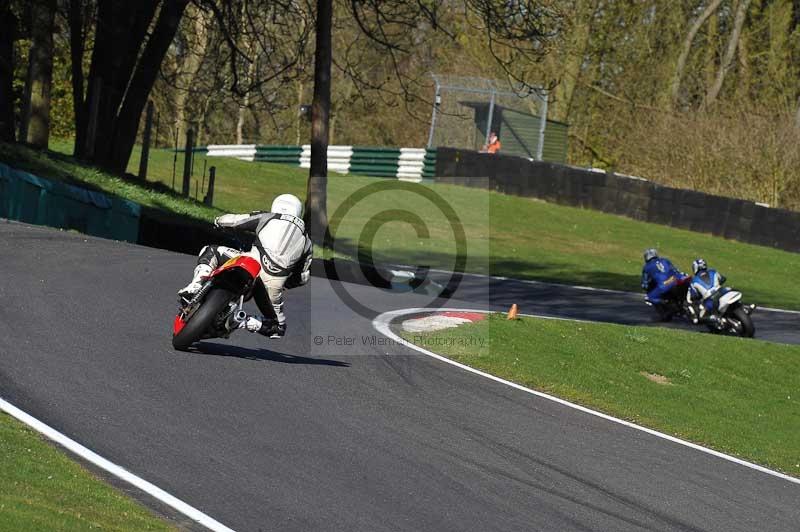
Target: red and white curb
(382,324)
(441,320)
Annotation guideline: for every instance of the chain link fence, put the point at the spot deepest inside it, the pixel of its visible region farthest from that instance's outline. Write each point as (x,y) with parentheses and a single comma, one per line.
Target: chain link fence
(466,110)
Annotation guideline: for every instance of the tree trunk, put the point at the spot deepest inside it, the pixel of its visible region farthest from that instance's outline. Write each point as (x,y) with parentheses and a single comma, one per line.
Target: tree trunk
(189,70)
(245,105)
(730,52)
(300,117)
(121,29)
(711,52)
(687,47)
(240,122)
(36,117)
(317,194)
(77,41)
(797,115)
(574,62)
(744,76)
(127,125)
(8,31)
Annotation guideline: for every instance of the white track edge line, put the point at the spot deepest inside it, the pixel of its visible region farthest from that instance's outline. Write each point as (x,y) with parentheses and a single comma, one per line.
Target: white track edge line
(119,472)
(579,287)
(381,324)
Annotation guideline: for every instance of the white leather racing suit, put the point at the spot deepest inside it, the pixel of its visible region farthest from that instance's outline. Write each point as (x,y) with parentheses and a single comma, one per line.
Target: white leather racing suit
(281,246)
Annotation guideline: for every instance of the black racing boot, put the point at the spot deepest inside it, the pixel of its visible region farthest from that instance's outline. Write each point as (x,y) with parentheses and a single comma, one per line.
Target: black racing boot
(272,329)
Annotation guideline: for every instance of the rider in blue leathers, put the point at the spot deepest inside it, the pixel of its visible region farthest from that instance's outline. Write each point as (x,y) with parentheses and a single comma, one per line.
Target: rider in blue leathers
(705,290)
(659,276)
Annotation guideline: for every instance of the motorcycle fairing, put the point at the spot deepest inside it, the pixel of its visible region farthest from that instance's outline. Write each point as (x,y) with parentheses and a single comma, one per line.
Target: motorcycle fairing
(249,264)
(234,273)
(727,299)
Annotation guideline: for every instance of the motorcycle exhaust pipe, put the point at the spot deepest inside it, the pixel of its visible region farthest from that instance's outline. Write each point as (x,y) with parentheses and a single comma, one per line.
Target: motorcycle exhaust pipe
(236,319)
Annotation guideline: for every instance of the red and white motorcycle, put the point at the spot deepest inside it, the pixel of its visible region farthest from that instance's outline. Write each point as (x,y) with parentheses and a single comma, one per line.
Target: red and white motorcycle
(217,309)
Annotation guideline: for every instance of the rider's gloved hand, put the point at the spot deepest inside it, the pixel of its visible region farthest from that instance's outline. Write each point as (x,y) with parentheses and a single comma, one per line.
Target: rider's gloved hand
(297,279)
(251,324)
(267,327)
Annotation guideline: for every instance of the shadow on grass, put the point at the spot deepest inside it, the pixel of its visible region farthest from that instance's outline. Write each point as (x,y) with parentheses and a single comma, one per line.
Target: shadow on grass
(224,350)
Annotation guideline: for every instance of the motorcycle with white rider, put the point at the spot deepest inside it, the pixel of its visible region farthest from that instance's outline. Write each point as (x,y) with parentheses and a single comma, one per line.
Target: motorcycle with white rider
(211,305)
(719,307)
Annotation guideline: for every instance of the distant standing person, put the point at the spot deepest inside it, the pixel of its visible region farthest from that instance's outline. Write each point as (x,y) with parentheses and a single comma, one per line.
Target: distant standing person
(493,146)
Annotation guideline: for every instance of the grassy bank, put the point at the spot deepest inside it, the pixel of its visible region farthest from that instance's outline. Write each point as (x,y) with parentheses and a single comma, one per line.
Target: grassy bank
(60,167)
(42,489)
(505,235)
(738,396)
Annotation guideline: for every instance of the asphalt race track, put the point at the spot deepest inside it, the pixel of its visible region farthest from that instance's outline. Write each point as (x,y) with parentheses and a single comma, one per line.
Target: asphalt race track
(626,308)
(291,435)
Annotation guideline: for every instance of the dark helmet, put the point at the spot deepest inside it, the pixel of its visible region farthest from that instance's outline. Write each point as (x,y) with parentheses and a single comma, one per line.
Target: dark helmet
(650,254)
(699,265)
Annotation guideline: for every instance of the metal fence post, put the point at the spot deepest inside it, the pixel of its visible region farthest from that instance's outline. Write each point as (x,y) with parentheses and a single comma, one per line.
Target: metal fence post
(489,118)
(187,162)
(148,126)
(94,110)
(542,124)
(437,99)
(209,199)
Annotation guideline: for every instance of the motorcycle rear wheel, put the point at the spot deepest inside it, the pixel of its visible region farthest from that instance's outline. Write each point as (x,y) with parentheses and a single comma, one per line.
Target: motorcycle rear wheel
(665,312)
(201,320)
(748,329)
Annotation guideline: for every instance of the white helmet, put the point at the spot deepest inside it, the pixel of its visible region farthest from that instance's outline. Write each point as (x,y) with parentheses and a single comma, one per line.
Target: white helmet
(287,204)
(699,265)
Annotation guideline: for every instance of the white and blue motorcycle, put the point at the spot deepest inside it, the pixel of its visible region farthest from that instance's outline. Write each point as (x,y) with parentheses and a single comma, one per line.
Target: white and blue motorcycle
(732,316)
(721,308)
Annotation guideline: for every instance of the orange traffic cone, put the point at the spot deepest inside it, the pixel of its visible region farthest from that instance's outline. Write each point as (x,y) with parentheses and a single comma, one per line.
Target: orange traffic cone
(512,312)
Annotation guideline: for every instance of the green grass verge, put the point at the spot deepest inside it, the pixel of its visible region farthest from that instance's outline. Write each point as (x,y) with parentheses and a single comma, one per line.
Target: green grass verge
(42,489)
(738,396)
(505,235)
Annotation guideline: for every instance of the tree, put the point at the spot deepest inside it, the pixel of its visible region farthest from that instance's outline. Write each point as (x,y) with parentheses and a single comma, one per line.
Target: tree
(730,52)
(127,121)
(317,194)
(35,127)
(517,33)
(80,16)
(124,64)
(687,48)
(8,33)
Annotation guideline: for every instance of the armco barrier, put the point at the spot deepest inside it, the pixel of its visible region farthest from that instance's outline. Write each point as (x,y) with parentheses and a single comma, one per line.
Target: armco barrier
(628,196)
(28,198)
(411,164)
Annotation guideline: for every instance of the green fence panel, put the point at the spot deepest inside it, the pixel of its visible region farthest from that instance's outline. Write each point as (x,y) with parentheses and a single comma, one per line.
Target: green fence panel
(31,199)
(393,162)
(5,190)
(358,155)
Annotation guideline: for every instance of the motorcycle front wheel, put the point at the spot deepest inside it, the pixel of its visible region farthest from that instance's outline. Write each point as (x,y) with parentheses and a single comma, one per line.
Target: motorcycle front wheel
(201,320)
